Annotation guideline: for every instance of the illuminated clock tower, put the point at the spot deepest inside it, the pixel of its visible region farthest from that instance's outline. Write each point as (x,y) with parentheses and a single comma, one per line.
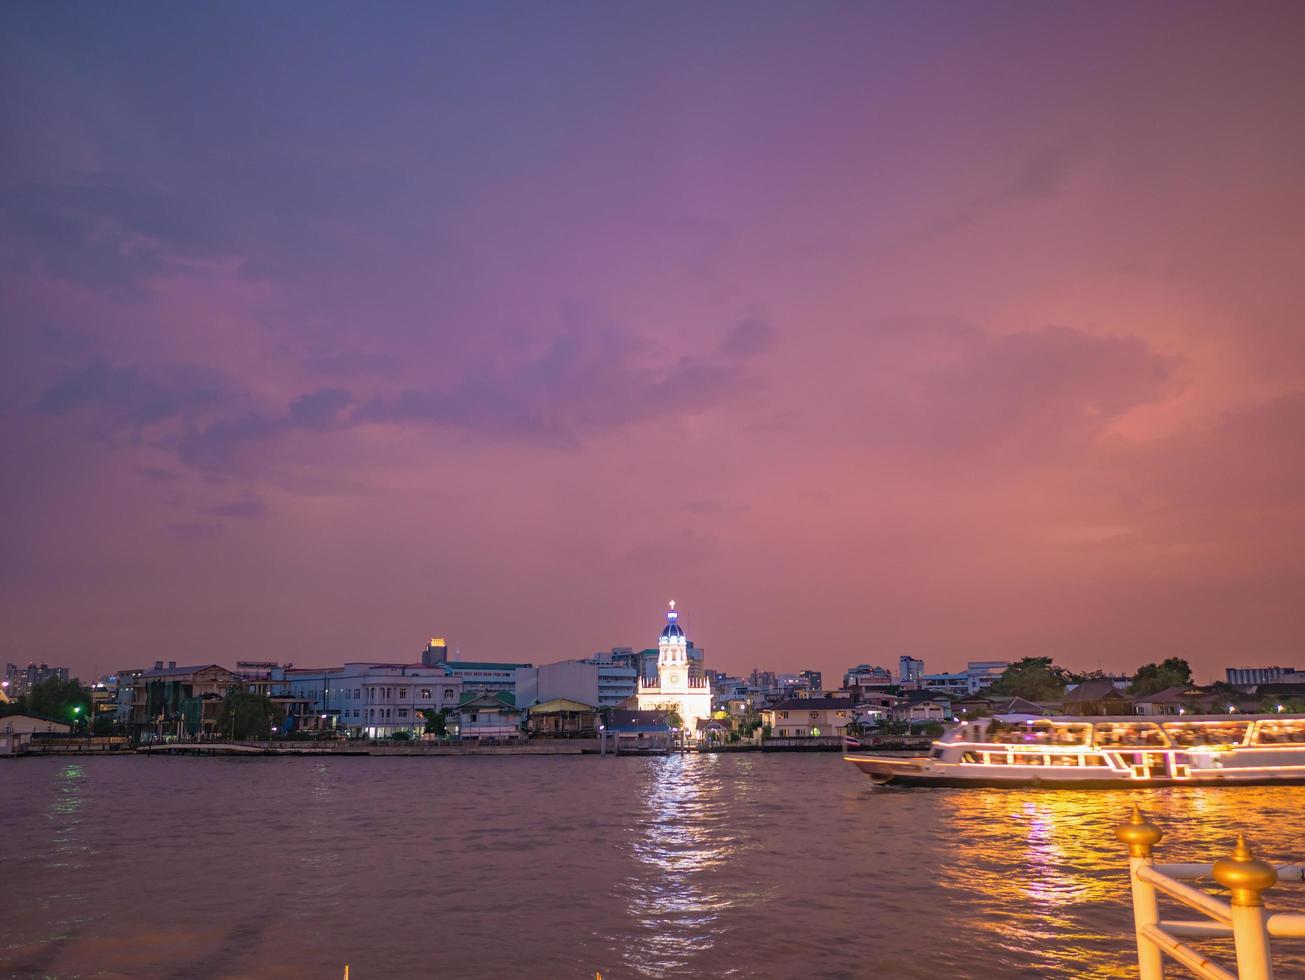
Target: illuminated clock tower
(678,687)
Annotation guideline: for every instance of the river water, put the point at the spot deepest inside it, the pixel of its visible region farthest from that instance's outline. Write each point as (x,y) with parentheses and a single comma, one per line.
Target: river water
(743,865)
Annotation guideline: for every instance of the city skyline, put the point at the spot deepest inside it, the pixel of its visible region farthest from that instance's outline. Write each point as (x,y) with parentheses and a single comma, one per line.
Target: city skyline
(862,331)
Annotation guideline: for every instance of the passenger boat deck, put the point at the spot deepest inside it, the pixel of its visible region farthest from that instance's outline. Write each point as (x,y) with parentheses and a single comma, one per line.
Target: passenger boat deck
(1105,753)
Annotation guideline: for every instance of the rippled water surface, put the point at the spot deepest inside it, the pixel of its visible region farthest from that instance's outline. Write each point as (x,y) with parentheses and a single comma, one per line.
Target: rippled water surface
(705,866)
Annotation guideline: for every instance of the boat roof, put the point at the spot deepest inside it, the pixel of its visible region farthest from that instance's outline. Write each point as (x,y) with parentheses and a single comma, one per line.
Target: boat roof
(1141,719)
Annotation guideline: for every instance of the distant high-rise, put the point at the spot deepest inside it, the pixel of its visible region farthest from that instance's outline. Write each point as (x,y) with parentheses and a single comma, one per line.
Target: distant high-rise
(19,680)
(909,669)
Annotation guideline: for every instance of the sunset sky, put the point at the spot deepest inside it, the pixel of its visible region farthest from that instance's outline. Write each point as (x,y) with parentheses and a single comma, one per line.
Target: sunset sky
(968,331)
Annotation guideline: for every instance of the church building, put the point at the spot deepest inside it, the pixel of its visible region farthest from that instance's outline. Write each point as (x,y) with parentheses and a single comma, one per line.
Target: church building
(679,685)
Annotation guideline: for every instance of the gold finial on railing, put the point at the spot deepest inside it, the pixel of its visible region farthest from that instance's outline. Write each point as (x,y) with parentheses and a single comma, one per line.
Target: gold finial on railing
(1138,834)
(1244,876)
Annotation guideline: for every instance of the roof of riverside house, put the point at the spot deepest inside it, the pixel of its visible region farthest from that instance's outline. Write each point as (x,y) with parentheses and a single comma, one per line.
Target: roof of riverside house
(920,697)
(503,699)
(1017,706)
(813,704)
(560,705)
(1175,695)
(1095,689)
(176,671)
(621,720)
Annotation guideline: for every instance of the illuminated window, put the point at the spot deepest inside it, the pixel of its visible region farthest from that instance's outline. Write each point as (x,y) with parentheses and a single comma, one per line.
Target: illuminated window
(1281,733)
(425,693)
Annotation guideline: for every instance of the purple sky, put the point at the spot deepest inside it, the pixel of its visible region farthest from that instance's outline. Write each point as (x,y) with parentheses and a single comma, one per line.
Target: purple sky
(964,331)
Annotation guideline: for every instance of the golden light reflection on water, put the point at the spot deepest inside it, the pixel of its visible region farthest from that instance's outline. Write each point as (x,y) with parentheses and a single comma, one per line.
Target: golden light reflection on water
(1044,874)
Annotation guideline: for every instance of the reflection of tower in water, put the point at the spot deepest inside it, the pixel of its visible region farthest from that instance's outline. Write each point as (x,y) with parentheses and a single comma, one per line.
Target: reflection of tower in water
(683,835)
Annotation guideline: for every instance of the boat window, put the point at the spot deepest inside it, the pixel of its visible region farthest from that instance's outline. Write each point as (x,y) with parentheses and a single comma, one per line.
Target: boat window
(1094,760)
(971,757)
(1285,732)
(1110,734)
(1185,735)
(1065,759)
(1028,759)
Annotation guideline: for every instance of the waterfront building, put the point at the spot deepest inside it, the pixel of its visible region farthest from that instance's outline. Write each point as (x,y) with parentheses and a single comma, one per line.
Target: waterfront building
(19,680)
(484,717)
(809,717)
(639,732)
(603,680)
(1184,699)
(476,675)
(16,731)
(180,701)
(923,706)
(680,685)
(370,700)
(977,676)
(1248,676)
(127,680)
(1096,696)
(562,718)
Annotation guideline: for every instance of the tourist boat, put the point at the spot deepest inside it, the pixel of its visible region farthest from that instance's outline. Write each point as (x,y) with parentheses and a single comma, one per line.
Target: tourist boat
(1104,753)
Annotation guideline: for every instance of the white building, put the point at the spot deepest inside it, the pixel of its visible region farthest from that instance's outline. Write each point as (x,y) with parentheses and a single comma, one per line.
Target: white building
(600,680)
(377,700)
(680,685)
(977,676)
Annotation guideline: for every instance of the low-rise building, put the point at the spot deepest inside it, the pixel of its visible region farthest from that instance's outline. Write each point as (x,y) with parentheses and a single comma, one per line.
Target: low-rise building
(639,732)
(923,706)
(489,717)
(1096,696)
(180,702)
(16,731)
(1247,676)
(562,718)
(809,717)
(373,700)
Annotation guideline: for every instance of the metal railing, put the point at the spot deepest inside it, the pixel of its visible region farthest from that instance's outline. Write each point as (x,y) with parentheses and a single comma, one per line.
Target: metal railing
(1243,918)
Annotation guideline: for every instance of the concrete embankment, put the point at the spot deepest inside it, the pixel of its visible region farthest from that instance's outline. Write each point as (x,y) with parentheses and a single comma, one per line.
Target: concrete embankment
(560,747)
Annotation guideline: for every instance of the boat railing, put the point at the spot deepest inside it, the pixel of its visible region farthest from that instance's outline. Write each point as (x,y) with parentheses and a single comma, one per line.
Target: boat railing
(1243,918)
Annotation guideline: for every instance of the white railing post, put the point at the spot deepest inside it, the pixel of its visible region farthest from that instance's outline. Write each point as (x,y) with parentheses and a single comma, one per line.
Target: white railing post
(1247,879)
(1141,837)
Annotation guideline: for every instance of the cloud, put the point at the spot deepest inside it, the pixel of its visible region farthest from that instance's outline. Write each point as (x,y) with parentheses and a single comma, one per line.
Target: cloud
(249,507)
(195,530)
(351,364)
(134,396)
(953,389)
(747,338)
(584,379)
(322,409)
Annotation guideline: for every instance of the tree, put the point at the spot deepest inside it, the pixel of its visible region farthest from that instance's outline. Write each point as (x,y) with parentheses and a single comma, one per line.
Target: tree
(1033,678)
(672,715)
(436,723)
(1291,706)
(1173,672)
(59,700)
(246,715)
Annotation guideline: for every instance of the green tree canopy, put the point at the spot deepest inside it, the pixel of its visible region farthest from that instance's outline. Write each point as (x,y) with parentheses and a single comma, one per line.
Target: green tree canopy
(60,700)
(672,715)
(436,723)
(1173,672)
(1034,678)
(246,715)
